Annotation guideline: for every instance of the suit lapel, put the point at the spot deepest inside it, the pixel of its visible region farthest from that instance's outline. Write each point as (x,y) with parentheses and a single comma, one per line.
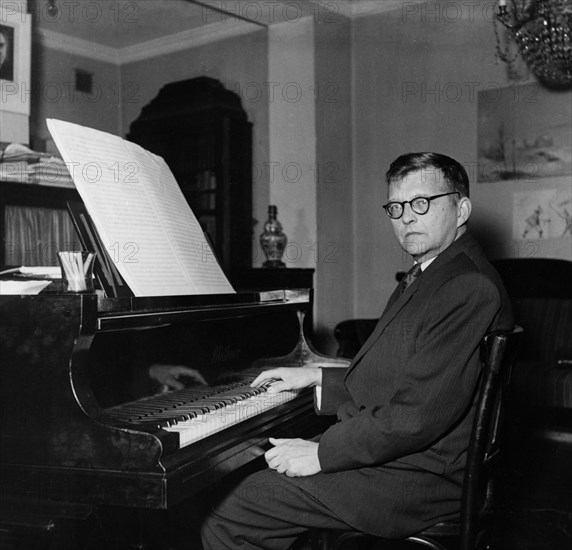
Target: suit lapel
(397,300)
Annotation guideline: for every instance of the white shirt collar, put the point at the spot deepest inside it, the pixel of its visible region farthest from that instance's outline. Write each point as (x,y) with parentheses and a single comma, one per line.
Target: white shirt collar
(427,263)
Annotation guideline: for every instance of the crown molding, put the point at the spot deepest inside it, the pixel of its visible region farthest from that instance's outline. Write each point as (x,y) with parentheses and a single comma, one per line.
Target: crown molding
(180,41)
(360,8)
(76,46)
(228,27)
(184,40)
(270,12)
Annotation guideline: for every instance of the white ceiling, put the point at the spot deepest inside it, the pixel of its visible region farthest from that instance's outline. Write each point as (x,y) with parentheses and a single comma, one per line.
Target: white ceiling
(118,23)
(126,23)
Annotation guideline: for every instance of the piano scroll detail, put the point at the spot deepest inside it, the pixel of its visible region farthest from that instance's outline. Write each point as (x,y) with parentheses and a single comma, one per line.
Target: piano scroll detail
(81,423)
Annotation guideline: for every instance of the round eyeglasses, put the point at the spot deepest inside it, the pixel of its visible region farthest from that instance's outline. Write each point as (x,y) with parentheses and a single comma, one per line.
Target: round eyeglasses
(419,205)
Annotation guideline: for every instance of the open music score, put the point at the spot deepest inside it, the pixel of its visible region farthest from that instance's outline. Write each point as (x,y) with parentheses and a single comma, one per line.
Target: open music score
(140,213)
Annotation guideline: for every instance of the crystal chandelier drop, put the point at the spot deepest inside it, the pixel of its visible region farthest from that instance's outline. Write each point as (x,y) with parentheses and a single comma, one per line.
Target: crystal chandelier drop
(542,29)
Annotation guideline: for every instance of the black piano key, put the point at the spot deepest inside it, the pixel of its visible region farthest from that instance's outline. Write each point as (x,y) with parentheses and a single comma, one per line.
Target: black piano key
(168,409)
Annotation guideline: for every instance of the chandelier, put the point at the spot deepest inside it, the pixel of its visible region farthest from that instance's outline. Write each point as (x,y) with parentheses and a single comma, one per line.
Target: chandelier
(542,30)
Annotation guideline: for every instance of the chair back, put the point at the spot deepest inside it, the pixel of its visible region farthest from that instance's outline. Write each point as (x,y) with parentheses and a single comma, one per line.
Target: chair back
(498,352)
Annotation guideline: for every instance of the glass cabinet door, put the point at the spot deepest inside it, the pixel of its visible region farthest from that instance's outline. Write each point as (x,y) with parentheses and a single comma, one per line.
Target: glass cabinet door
(202,132)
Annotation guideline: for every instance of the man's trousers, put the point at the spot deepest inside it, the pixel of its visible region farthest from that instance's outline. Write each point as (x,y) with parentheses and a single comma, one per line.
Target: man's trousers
(266,511)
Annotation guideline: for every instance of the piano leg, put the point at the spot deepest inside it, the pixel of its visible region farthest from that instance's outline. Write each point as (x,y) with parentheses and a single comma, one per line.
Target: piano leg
(140,541)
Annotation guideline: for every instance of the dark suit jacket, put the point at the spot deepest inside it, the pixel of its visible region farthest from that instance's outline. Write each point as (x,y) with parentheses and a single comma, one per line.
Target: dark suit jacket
(393,463)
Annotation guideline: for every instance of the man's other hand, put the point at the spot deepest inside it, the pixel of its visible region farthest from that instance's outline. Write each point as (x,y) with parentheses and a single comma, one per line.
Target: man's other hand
(169,376)
(293,457)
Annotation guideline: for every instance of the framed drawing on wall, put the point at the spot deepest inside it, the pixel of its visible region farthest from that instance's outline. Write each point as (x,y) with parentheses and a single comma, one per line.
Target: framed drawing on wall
(15,53)
(524,133)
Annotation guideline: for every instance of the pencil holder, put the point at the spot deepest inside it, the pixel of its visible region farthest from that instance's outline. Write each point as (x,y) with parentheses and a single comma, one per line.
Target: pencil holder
(77,271)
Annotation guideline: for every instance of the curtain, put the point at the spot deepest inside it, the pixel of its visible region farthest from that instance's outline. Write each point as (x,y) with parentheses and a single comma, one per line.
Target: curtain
(33,235)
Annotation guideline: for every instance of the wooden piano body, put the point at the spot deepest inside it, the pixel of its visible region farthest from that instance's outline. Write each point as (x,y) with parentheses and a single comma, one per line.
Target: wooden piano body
(70,360)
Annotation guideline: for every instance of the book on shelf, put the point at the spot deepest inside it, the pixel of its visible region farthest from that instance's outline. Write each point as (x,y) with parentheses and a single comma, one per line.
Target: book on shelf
(18,171)
(14,152)
(51,171)
(142,219)
(22,165)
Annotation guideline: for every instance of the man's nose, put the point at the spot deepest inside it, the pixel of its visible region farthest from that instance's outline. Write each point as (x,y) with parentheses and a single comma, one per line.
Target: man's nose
(408,214)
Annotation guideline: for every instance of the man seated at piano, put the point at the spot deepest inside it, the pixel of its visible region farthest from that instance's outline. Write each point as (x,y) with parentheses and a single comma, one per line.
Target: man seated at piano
(393,463)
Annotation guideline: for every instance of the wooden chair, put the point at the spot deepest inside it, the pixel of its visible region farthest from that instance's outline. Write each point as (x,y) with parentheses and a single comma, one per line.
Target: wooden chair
(497,353)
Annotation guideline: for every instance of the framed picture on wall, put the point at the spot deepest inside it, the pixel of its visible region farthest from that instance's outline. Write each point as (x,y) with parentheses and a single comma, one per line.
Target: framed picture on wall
(15,53)
(524,133)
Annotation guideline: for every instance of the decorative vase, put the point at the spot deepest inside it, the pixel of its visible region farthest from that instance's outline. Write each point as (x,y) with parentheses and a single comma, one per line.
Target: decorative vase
(273,240)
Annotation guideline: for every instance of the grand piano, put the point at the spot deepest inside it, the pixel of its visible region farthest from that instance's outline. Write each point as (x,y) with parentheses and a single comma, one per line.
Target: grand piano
(84,425)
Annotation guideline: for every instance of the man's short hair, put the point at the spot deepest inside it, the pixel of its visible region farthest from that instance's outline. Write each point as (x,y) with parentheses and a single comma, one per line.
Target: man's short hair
(454,175)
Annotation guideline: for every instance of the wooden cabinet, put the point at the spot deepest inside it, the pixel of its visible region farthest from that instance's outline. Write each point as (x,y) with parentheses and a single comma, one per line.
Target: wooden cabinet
(202,132)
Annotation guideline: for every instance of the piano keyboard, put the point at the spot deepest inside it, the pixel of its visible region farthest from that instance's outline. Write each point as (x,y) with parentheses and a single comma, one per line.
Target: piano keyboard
(196,413)
(210,423)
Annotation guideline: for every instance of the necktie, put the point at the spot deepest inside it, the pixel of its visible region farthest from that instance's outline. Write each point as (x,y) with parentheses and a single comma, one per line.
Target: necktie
(410,277)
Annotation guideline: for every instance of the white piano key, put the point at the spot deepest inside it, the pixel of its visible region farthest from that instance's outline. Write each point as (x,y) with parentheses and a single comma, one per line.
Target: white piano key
(208,424)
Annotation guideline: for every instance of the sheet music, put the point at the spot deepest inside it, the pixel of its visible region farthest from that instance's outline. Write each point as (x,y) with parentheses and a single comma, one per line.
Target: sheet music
(141,215)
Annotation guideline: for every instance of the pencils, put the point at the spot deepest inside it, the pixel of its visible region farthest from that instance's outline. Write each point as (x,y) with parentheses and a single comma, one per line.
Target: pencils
(77,270)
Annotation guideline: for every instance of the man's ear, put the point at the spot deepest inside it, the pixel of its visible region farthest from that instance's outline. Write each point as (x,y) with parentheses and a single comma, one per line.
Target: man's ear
(464,208)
